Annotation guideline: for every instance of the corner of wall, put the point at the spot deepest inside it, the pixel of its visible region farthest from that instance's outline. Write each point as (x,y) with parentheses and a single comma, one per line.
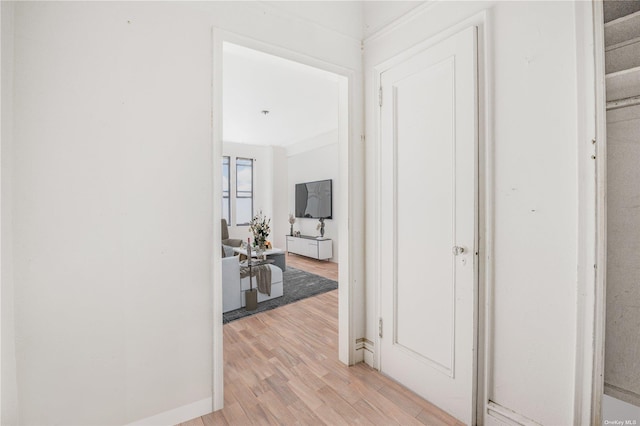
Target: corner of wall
(365,351)
(8,375)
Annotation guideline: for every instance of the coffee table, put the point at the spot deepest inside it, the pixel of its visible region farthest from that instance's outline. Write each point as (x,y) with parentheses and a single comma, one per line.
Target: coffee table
(275,254)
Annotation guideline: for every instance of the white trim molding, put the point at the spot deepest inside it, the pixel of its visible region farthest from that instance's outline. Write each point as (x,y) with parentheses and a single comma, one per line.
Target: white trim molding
(399,22)
(274,8)
(217,370)
(599,291)
(177,415)
(586,149)
(366,350)
(507,416)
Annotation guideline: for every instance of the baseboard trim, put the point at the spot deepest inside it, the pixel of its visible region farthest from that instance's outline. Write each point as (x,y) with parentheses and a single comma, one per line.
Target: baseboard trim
(358,351)
(364,349)
(177,415)
(508,416)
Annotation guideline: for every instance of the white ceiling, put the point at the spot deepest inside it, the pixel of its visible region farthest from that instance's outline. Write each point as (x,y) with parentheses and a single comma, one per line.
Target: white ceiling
(344,17)
(302,101)
(379,14)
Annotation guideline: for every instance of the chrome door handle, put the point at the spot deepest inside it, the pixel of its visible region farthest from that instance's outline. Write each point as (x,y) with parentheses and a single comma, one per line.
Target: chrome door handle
(457,250)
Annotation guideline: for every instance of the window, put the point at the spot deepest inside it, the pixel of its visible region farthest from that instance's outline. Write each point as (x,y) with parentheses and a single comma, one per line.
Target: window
(237,206)
(244,191)
(226,189)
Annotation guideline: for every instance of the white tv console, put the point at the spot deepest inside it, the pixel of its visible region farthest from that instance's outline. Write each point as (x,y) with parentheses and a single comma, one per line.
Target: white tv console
(316,247)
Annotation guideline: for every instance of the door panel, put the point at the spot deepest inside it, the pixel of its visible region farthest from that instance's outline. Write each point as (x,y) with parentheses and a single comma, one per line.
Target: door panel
(428,194)
(418,186)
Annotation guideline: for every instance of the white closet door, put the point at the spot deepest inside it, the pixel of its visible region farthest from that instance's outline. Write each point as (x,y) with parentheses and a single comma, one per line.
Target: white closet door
(429,180)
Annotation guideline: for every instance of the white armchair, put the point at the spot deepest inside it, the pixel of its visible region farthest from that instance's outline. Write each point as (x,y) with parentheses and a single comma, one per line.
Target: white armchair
(233,288)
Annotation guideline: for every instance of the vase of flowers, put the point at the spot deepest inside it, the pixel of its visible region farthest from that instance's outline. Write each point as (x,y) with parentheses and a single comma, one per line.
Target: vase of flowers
(260,228)
(292,220)
(321,226)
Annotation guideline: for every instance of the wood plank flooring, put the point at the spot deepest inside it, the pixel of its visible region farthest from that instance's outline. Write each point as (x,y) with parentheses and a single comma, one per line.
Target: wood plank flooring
(323,268)
(282,368)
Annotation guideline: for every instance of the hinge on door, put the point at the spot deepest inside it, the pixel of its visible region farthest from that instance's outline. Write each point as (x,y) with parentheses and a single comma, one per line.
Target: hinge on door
(380,96)
(380,327)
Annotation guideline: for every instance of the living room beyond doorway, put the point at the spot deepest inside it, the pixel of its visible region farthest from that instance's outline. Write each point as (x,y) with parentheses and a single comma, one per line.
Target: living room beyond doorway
(318,267)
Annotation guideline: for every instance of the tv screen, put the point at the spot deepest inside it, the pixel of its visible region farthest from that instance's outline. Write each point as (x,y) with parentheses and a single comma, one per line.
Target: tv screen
(313,199)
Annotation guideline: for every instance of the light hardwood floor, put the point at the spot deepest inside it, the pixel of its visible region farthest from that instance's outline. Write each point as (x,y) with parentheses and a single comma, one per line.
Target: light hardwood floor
(319,267)
(281,367)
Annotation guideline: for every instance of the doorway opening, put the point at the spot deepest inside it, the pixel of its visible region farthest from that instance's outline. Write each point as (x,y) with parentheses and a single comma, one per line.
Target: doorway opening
(291,127)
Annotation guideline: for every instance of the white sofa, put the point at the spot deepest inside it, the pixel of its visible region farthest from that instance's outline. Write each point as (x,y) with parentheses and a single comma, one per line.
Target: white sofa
(233,288)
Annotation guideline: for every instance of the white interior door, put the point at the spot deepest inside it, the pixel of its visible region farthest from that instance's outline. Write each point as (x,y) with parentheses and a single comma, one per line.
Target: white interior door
(428,194)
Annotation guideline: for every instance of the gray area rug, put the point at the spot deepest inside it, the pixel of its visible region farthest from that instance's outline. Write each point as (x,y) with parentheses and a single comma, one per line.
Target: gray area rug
(298,285)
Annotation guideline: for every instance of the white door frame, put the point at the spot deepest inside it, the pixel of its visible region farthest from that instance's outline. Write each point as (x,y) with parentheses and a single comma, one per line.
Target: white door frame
(600,249)
(592,214)
(350,211)
(484,225)
(591,132)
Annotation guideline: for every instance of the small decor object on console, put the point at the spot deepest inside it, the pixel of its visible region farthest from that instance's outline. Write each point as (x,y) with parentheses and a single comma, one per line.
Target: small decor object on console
(321,226)
(292,220)
(260,229)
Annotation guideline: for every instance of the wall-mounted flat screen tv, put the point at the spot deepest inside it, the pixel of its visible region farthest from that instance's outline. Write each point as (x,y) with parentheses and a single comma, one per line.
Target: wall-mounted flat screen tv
(313,199)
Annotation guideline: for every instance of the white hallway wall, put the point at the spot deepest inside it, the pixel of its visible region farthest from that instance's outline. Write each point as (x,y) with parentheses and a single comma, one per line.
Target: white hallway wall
(124,188)
(531,48)
(112,183)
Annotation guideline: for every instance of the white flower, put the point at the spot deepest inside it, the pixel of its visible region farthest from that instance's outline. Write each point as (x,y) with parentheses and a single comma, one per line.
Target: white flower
(260,227)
